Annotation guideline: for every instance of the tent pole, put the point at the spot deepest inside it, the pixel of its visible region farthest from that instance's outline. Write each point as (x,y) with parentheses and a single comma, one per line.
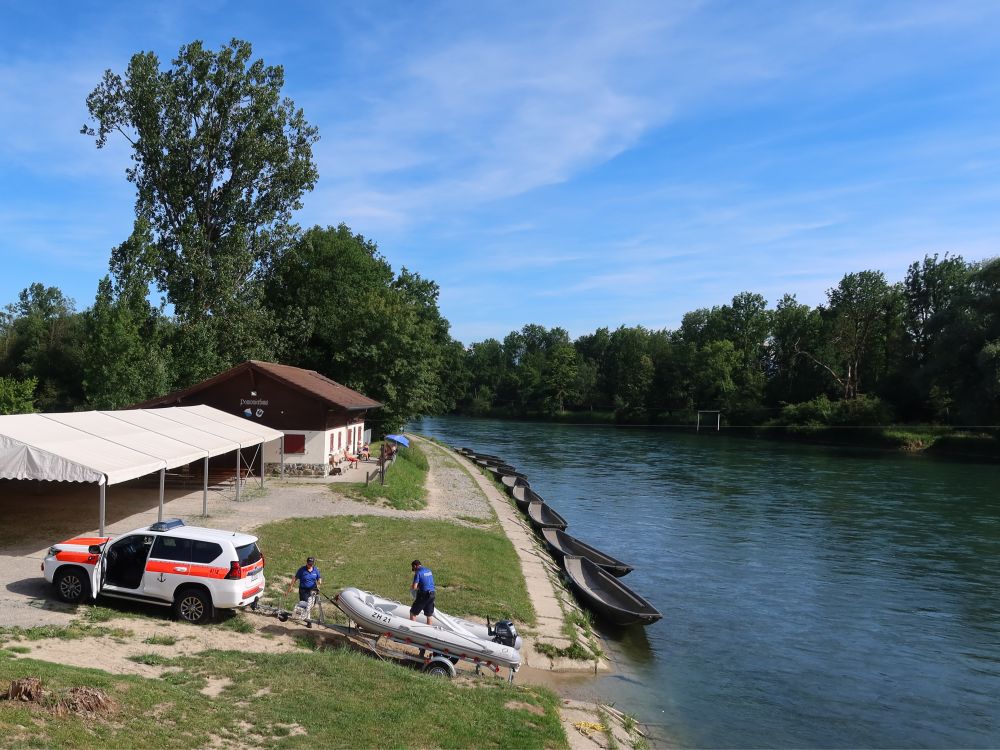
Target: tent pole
(163,479)
(204,491)
(103,502)
(238,466)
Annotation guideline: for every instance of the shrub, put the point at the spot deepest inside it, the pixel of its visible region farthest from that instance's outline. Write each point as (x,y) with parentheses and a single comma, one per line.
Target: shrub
(863,411)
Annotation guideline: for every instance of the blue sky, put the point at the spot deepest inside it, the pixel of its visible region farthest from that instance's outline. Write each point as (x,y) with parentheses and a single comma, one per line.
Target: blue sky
(578,164)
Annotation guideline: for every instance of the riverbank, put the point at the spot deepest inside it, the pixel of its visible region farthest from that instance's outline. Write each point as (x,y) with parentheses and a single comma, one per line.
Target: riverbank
(146,654)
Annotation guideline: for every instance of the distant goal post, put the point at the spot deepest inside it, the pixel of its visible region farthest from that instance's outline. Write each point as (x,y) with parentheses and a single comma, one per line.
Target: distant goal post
(718,418)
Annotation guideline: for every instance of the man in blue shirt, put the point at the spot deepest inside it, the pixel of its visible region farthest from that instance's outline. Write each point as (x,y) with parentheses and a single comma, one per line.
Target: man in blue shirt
(309,579)
(423,585)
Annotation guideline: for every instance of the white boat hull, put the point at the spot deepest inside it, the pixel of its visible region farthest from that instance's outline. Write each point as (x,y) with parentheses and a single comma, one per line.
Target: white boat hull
(451,636)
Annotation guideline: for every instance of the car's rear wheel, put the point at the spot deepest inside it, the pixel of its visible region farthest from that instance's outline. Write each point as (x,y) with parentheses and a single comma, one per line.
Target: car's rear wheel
(72,585)
(193,605)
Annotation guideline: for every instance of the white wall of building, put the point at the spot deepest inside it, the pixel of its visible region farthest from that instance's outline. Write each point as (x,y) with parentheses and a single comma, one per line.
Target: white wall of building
(318,445)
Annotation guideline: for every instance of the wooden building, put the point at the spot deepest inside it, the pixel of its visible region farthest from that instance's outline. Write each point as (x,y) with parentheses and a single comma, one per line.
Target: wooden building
(319,417)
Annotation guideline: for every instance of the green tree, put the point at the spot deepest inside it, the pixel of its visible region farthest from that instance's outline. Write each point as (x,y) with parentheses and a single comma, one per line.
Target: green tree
(930,288)
(125,358)
(17,396)
(344,314)
(715,363)
(594,387)
(561,376)
(486,366)
(792,377)
(630,370)
(220,161)
(43,339)
(859,316)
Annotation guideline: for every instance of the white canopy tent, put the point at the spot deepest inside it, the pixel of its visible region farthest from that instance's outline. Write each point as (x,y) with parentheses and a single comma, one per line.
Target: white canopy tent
(111,447)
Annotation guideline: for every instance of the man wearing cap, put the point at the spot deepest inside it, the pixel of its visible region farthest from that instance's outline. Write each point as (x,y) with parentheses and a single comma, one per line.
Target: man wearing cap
(309,579)
(423,588)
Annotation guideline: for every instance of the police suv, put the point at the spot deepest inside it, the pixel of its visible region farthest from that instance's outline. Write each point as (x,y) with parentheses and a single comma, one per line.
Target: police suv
(192,569)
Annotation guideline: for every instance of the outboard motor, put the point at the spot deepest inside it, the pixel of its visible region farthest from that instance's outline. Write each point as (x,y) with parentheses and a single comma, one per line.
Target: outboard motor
(505,633)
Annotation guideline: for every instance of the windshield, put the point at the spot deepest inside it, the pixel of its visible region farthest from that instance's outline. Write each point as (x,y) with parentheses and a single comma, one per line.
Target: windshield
(249,553)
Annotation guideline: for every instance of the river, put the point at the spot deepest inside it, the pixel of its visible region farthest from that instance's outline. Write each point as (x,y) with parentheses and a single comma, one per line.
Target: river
(812,597)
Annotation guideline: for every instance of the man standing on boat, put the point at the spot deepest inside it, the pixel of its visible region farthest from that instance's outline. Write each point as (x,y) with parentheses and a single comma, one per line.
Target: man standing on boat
(423,588)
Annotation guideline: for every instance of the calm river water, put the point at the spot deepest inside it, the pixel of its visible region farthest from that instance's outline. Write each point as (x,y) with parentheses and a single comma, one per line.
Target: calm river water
(812,597)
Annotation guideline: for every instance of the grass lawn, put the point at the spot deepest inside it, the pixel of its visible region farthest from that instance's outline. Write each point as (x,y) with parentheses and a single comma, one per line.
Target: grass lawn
(405,481)
(476,571)
(330,698)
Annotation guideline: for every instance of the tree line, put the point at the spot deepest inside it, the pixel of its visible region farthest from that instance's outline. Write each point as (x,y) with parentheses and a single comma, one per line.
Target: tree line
(924,350)
(221,160)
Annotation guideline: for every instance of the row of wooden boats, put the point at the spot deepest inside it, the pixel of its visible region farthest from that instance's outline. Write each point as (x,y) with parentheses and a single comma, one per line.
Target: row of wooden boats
(593,575)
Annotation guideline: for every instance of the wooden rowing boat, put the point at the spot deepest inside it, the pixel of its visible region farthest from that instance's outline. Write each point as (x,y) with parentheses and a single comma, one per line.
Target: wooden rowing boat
(606,596)
(542,516)
(561,544)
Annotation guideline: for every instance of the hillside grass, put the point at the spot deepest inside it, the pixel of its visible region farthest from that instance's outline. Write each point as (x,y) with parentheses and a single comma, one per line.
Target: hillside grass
(476,571)
(324,698)
(405,482)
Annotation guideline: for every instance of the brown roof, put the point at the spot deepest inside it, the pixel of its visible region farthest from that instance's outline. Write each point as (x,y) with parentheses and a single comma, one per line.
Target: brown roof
(307,381)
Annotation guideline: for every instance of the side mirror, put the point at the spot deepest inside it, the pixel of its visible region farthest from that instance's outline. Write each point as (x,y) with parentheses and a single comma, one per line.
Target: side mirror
(94,549)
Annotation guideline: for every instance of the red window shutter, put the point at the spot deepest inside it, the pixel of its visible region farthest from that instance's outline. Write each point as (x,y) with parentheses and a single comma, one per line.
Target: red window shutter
(295,443)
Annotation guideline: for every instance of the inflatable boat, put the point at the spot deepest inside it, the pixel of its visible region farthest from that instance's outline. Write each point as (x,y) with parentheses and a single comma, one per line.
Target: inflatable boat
(452,636)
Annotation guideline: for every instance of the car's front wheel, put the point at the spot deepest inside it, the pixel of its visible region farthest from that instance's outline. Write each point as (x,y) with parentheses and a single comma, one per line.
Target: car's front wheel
(193,605)
(72,585)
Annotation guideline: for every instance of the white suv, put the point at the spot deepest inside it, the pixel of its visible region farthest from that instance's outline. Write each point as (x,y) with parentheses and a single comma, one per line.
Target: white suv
(190,568)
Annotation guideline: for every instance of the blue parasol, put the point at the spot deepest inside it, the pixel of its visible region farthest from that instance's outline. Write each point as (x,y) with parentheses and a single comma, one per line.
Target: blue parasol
(399,439)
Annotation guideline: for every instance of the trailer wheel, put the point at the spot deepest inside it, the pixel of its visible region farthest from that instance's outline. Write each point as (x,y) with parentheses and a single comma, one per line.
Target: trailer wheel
(440,667)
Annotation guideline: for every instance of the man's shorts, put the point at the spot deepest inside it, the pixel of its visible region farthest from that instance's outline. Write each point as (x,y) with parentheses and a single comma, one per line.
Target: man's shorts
(423,603)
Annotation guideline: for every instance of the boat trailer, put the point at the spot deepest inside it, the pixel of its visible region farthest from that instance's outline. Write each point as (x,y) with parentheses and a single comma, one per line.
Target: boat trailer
(383,645)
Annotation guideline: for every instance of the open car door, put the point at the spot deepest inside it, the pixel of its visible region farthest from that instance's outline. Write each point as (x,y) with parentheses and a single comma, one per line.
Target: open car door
(100,572)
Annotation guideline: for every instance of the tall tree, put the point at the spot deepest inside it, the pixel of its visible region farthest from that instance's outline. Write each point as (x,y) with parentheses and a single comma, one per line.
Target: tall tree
(929,289)
(631,368)
(43,339)
(859,314)
(220,161)
(345,314)
(793,378)
(125,356)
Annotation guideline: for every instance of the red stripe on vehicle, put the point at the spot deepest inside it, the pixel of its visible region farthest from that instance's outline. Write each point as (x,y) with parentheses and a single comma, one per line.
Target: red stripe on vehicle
(81,557)
(251,592)
(197,571)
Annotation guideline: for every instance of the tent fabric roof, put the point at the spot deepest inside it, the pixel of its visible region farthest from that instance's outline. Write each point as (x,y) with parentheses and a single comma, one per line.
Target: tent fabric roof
(309,382)
(115,447)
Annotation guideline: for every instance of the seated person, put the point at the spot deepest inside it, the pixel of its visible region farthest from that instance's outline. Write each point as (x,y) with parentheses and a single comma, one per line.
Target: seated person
(365,454)
(352,461)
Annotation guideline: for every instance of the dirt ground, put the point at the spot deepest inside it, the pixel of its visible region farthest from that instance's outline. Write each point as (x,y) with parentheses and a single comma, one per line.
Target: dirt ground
(40,514)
